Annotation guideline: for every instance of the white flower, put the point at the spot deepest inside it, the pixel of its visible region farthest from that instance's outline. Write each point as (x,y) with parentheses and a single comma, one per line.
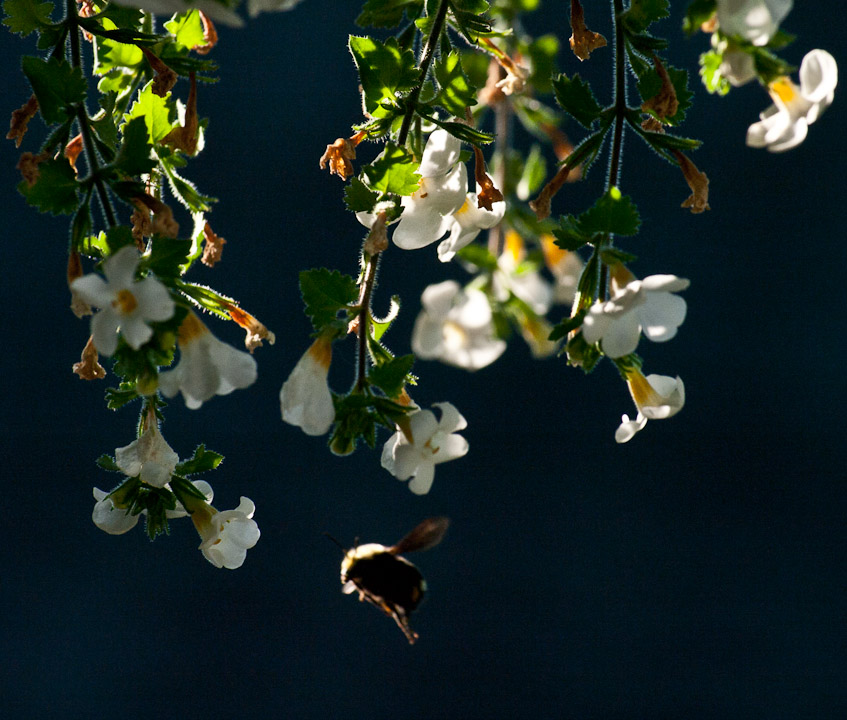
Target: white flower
(657,397)
(305,398)
(116,520)
(455,326)
(737,67)
(254,7)
(149,458)
(207,366)
(433,441)
(753,20)
(226,536)
(466,224)
(126,306)
(628,428)
(428,212)
(646,305)
(512,276)
(216,11)
(566,267)
(784,124)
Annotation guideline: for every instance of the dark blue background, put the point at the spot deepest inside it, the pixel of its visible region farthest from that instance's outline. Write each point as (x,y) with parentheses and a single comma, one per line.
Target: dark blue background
(696,572)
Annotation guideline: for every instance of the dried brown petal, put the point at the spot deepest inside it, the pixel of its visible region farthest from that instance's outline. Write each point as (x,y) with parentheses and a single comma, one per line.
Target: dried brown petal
(28,166)
(165,77)
(142,224)
(185,138)
(210,35)
(698,201)
(664,104)
(20,119)
(488,194)
(213,246)
(651,124)
(73,149)
(583,41)
(79,307)
(562,148)
(89,367)
(338,156)
(256,332)
(541,204)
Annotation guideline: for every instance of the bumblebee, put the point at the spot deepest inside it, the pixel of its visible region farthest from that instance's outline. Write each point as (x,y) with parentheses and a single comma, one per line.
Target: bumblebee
(386,579)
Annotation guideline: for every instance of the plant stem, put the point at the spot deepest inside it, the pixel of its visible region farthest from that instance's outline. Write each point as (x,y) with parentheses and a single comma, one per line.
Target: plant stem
(426,61)
(83,121)
(620,98)
(371,264)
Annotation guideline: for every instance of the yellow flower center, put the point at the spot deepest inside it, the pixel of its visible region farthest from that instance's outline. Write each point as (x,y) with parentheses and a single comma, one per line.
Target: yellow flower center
(125,302)
(642,391)
(455,336)
(784,89)
(191,329)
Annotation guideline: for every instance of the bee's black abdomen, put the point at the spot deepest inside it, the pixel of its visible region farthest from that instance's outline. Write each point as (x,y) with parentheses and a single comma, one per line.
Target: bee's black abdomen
(392,578)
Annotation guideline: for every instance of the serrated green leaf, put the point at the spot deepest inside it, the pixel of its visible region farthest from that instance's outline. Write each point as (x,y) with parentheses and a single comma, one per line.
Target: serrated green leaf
(576,98)
(134,154)
(455,91)
(393,171)
(55,189)
(358,198)
(184,190)
(202,461)
(116,398)
(697,13)
(710,72)
(390,377)
(384,71)
(642,13)
(206,298)
(325,293)
(612,255)
(118,237)
(26,16)
(650,85)
(569,234)
(113,54)
(107,462)
(613,214)
(387,13)
(463,132)
(159,115)
(168,255)
(56,84)
(187,29)
(379,326)
(567,325)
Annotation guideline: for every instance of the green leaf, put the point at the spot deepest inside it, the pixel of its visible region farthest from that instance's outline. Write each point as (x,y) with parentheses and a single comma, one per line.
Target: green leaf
(134,155)
(381,325)
(698,12)
(612,255)
(55,189)
(168,255)
(570,235)
(203,461)
(650,84)
(358,198)
(665,143)
(187,29)
(384,71)
(769,67)
(387,13)
(455,92)
(543,51)
(56,84)
(118,237)
(159,115)
(113,54)
(390,377)
(459,130)
(479,256)
(613,214)
(116,398)
(393,171)
(26,16)
(710,72)
(564,328)
(325,293)
(206,298)
(576,98)
(107,462)
(642,13)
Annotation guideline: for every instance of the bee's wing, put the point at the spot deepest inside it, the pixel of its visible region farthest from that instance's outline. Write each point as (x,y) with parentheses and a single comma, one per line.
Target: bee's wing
(426,535)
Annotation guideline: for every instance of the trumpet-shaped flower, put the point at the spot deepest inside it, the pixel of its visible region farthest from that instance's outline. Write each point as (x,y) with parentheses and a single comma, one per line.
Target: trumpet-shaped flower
(207,366)
(426,443)
(127,305)
(755,21)
(428,212)
(305,398)
(785,124)
(226,536)
(647,306)
(149,458)
(114,519)
(455,326)
(566,267)
(467,222)
(515,277)
(628,428)
(217,11)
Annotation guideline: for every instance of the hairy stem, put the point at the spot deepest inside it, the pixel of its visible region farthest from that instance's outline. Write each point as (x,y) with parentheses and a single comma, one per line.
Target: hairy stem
(426,61)
(371,264)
